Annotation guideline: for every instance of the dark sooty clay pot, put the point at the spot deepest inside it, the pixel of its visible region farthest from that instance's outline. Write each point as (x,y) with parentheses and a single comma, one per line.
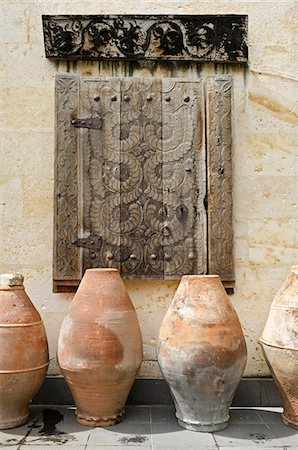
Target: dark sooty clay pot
(202,353)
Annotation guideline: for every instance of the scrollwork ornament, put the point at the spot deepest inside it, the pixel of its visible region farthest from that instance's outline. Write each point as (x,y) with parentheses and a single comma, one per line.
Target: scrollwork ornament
(218,38)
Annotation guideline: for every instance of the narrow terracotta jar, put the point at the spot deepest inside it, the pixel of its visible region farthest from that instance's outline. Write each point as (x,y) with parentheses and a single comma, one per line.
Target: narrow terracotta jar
(24,354)
(100,347)
(280,346)
(202,352)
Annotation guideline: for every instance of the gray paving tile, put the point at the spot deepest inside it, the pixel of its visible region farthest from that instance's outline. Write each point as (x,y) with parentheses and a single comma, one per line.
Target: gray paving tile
(11,447)
(14,435)
(270,417)
(172,436)
(6,447)
(244,435)
(241,415)
(137,414)
(284,435)
(252,447)
(51,446)
(163,414)
(116,447)
(57,426)
(129,434)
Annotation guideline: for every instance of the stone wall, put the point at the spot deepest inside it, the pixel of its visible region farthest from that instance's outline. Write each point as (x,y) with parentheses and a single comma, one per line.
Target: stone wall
(264,135)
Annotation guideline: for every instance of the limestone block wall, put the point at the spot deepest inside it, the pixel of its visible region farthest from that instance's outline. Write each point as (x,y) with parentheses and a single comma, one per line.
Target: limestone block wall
(265,162)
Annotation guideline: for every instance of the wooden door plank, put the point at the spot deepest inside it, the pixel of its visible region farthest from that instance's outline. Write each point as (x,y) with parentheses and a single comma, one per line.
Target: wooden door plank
(100,156)
(183,179)
(67,257)
(219,176)
(141,179)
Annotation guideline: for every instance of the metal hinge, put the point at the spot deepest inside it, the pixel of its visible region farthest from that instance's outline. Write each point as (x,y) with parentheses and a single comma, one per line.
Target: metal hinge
(94,123)
(91,242)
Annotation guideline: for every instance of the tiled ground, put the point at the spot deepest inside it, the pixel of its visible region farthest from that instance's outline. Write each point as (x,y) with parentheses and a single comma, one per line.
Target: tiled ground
(149,428)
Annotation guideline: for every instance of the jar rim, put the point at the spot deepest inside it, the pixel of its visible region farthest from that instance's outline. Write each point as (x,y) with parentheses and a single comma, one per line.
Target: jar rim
(11,279)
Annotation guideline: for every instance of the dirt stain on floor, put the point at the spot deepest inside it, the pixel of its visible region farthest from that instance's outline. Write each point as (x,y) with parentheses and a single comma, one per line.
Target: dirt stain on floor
(137,439)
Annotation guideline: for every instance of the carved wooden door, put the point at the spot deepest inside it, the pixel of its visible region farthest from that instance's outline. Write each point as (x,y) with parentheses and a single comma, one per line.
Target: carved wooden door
(131,177)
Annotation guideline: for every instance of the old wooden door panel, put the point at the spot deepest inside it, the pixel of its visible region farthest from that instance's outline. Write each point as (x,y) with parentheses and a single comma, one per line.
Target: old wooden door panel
(219,167)
(184,236)
(67,257)
(100,156)
(141,178)
(131,177)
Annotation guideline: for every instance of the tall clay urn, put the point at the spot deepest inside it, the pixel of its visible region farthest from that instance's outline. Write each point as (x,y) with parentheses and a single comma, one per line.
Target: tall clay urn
(24,354)
(280,346)
(100,347)
(202,352)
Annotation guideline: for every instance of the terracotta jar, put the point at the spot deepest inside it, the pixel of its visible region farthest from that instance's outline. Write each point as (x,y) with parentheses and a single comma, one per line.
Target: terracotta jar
(100,347)
(280,345)
(24,354)
(202,352)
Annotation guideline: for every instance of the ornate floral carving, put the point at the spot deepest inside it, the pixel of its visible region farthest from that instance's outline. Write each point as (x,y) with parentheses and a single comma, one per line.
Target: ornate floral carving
(200,38)
(142,177)
(67,261)
(219,156)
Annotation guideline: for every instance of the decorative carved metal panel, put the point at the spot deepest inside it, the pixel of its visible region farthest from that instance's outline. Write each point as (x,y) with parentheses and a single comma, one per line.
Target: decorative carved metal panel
(131,169)
(217,38)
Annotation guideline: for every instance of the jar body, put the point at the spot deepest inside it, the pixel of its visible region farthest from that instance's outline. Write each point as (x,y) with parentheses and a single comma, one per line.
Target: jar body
(24,355)
(100,347)
(280,346)
(202,353)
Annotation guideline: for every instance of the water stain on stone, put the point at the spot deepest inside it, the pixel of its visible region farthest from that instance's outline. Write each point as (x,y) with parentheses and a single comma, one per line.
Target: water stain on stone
(137,439)
(278,109)
(50,419)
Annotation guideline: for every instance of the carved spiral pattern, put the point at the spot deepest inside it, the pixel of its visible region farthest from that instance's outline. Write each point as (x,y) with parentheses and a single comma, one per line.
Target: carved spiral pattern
(142,178)
(218,38)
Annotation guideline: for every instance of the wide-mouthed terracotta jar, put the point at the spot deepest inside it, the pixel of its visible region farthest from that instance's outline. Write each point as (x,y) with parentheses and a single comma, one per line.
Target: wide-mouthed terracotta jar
(280,346)
(24,354)
(202,352)
(100,347)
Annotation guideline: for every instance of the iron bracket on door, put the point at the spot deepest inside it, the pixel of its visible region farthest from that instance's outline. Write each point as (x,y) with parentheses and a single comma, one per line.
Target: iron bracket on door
(95,123)
(91,242)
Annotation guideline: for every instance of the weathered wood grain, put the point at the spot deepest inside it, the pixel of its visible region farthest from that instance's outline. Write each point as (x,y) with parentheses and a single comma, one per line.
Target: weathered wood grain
(100,157)
(183,179)
(219,173)
(67,257)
